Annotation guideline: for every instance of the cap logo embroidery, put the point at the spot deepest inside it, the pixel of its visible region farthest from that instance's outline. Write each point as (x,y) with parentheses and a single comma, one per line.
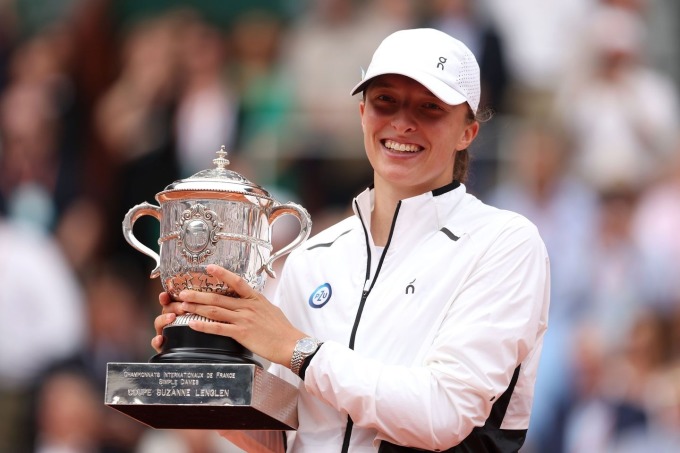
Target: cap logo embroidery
(440,65)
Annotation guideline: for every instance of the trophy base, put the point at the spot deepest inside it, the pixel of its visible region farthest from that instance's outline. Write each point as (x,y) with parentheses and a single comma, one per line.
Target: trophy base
(202,396)
(182,344)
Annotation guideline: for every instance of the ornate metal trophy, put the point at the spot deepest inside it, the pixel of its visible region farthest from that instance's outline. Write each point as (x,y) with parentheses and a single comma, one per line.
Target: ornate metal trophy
(199,380)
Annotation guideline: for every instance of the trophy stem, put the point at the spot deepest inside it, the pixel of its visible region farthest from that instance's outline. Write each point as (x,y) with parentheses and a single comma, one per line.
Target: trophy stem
(182,344)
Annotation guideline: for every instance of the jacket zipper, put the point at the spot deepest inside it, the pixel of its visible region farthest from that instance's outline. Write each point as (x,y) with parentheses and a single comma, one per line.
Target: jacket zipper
(362,303)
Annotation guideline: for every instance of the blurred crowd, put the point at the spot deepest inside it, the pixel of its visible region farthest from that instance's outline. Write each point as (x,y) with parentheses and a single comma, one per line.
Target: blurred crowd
(105,102)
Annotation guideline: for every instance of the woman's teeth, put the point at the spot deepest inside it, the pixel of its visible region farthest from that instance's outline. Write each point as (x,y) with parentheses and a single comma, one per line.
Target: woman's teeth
(390,144)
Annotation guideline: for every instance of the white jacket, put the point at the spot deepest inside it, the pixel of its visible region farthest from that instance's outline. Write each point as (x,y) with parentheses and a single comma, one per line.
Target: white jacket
(422,339)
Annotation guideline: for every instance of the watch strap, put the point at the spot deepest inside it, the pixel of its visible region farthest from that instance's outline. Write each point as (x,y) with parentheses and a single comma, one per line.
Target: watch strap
(299,355)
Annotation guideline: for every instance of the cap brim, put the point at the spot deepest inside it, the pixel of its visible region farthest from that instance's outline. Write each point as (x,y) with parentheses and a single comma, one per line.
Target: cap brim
(436,86)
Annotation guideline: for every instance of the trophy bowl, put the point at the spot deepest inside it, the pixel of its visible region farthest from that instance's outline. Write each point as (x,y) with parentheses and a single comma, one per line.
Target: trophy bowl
(217,217)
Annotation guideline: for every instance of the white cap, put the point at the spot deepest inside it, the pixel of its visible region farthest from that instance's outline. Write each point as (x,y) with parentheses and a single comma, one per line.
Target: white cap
(440,63)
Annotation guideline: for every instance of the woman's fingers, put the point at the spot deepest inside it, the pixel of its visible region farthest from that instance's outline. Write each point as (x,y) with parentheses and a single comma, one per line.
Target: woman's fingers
(157,342)
(215,307)
(162,321)
(238,295)
(216,328)
(234,282)
(169,305)
(164,298)
(158,323)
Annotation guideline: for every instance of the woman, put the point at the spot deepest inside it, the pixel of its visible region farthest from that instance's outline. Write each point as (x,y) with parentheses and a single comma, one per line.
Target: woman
(418,321)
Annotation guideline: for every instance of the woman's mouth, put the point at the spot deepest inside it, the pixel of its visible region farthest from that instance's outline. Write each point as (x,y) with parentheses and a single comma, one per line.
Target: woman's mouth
(401,147)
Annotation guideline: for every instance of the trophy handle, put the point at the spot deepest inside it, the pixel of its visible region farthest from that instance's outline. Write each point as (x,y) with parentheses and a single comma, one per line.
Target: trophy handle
(131,217)
(305,228)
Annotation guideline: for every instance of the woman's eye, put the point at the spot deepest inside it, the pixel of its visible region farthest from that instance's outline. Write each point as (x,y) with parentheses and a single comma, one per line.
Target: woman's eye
(384,98)
(432,106)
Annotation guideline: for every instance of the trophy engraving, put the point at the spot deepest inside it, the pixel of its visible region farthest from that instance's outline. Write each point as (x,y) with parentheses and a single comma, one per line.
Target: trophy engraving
(214,217)
(198,228)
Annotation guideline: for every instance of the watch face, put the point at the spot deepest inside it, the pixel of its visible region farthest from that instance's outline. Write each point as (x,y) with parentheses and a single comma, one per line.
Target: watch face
(307,345)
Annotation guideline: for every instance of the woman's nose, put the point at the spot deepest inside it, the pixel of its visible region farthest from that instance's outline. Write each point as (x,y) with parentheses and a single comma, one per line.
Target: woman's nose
(403,121)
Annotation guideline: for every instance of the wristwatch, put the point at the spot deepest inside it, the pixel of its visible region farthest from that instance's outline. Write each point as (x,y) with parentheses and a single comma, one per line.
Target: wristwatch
(303,348)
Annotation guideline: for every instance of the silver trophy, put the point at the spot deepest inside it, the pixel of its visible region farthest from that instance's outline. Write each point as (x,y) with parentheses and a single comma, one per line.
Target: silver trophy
(201,380)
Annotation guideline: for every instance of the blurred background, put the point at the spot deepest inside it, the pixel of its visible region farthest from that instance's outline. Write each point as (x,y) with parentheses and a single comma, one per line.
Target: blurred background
(105,102)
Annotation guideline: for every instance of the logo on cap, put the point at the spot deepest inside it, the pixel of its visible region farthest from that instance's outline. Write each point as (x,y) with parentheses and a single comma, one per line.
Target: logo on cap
(440,65)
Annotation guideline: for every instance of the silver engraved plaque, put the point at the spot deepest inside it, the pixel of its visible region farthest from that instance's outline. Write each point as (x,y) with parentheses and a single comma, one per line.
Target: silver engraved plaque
(202,396)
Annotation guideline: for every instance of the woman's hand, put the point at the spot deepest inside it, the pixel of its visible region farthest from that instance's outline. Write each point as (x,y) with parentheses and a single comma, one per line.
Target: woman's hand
(170,311)
(248,317)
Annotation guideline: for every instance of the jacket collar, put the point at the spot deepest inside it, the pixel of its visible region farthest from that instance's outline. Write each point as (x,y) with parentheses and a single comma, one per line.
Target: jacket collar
(417,216)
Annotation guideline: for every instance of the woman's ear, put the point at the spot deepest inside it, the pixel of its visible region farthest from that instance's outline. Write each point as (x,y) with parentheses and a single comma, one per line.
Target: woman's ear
(362,107)
(469,134)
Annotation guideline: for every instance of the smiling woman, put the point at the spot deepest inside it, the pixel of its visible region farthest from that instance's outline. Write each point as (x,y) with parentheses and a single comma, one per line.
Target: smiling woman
(426,309)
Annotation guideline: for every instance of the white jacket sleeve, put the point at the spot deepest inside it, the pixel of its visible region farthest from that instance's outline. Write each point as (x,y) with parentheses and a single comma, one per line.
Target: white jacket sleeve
(492,324)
